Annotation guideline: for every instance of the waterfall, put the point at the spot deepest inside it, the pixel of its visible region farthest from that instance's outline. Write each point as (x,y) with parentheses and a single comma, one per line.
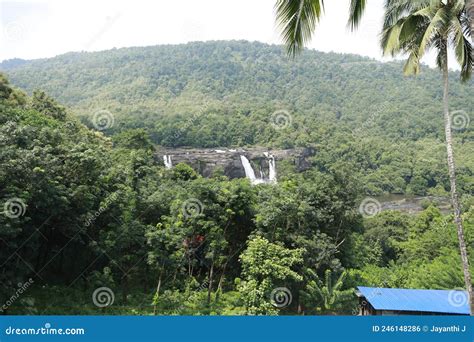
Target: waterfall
(250,173)
(272,176)
(167,161)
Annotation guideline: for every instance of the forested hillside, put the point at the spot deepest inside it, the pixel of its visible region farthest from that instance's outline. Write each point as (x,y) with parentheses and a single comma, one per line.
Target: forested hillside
(83,212)
(357,113)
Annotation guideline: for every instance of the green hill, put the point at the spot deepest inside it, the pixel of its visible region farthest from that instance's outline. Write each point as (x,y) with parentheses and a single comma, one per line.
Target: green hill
(354,110)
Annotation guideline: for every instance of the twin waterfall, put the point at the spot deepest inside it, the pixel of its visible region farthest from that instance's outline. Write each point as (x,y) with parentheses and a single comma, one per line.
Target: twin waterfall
(262,178)
(250,173)
(167,161)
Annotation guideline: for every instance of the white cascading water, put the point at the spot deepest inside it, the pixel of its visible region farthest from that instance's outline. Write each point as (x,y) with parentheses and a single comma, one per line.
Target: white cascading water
(272,175)
(167,161)
(250,173)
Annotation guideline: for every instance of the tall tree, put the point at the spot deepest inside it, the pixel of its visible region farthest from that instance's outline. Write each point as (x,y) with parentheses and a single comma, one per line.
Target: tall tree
(357,8)
(470,16)
(414,27)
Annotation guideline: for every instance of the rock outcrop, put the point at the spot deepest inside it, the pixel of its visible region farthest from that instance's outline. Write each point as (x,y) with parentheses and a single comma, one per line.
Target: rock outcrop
(207,160)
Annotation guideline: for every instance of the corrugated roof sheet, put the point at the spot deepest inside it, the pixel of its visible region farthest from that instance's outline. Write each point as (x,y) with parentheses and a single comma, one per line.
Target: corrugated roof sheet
(438,301)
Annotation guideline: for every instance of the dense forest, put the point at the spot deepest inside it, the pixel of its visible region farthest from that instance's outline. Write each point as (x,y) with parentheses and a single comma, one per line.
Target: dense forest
(88,209)
(354,111)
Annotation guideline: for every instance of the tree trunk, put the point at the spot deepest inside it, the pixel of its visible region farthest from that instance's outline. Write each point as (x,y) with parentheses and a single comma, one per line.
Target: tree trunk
(209,288)
(452,179)
(155,305)
(124,289)
(470,16)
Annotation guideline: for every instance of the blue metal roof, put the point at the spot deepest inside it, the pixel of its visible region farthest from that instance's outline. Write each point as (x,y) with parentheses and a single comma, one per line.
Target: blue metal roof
(437,301)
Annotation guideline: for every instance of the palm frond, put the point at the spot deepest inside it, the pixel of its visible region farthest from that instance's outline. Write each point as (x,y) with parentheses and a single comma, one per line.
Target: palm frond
(356,10)
(412,65)
(439,43)
(438,23)
(391,39)
(396,9)
(462,49)
(297,21)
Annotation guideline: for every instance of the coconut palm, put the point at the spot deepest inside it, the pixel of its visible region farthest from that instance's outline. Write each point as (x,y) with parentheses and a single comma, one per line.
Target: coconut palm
(298,18)
(470,16)
(413,27)
(357,8)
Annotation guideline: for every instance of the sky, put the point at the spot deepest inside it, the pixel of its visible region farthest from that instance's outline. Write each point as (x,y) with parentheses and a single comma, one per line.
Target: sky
(45,28)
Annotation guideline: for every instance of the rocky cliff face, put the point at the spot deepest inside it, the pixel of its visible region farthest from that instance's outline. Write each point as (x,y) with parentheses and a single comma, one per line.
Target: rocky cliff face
(206,161)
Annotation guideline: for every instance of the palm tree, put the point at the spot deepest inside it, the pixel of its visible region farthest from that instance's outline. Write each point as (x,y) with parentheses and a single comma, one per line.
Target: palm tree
(329,295)
(470,16)
(413,27)
(357,8)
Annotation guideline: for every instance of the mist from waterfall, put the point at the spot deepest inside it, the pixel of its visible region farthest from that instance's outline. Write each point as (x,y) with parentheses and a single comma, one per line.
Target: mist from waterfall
(250,173)
(167,161)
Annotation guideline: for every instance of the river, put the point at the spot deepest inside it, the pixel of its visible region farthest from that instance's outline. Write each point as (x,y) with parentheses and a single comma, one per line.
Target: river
(412,204)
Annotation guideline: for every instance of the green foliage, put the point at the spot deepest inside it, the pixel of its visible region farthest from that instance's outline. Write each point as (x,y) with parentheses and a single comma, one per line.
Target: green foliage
(327,297)
(265,266)
(357,114)
(183,172)
(102,211)
(42,103)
